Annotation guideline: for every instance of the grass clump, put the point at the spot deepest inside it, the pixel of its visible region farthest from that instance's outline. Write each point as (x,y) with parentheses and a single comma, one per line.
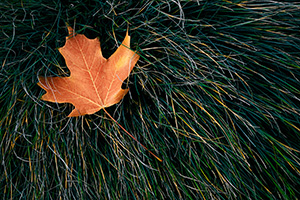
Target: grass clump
(215,94)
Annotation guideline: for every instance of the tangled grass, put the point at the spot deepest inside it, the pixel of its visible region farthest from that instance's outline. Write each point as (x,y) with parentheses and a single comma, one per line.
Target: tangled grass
(215,95)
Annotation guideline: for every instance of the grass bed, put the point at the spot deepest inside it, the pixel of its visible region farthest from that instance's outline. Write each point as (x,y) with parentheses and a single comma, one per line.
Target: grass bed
(215,95)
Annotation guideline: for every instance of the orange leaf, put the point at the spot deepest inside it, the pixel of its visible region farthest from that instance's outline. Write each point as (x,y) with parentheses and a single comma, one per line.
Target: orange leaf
(94,82)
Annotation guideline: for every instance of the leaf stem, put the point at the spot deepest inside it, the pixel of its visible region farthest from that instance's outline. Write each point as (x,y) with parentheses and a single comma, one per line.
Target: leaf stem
(132,136)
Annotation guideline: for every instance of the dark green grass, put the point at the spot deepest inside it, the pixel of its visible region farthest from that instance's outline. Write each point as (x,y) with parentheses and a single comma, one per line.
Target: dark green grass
(215,94)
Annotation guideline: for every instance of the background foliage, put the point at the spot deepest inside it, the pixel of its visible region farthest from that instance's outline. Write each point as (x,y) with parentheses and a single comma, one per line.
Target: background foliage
(215,94)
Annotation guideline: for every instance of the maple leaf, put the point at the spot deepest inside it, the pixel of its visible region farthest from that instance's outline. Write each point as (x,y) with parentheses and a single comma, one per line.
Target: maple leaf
(94,82)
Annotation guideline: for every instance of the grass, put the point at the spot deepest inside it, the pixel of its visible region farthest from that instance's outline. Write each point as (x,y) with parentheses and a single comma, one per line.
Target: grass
(215,95)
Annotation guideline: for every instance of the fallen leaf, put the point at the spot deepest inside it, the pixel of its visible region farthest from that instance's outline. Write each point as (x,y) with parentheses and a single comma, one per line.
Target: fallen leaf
(94,82)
